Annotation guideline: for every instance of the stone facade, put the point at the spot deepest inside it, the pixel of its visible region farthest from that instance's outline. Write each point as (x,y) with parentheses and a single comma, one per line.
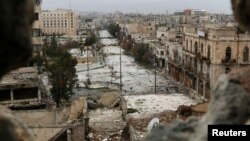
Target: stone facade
(213,52)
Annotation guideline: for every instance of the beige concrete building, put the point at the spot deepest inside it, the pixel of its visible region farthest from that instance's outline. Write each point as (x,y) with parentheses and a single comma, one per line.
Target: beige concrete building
(37,27)
(139,30)
(212,52)
(60,22)
(207,54)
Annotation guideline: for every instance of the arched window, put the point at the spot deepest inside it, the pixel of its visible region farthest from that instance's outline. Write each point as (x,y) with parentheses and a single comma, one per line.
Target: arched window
(191,45)
(201,49)
(208,52)
(246,54)
(186,44)
(228,54)
(196,47)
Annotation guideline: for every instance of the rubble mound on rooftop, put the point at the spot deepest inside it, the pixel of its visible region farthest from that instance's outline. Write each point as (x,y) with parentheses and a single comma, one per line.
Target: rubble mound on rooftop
(110,99)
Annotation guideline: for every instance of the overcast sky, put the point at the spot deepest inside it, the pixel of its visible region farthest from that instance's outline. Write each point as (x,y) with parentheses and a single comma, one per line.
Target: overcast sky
(145,6)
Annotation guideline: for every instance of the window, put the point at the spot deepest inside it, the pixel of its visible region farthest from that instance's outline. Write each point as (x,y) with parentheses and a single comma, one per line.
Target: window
(36,16)
(196,47)
(228,54)
(36,32)
(208,52)
(201,49)
(246,54)
(38,2)
(162,52)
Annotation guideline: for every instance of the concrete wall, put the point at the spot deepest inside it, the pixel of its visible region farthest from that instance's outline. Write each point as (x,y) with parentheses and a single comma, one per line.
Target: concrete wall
(43,117)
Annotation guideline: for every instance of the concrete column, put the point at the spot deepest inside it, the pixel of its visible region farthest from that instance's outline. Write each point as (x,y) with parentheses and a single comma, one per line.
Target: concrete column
(204,88)
(39,94)
(12,96)
(69,135)
(197,84)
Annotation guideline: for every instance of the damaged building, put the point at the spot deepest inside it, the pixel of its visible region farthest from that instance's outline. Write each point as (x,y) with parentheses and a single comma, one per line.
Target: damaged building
(21,88)
(206,53)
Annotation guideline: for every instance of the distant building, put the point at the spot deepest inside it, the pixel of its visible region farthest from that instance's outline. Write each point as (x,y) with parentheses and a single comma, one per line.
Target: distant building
(139,30)
(60,22)
(199,12)
(209,53)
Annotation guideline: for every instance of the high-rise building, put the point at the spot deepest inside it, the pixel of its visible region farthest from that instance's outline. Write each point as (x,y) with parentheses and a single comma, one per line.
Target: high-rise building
(60,22)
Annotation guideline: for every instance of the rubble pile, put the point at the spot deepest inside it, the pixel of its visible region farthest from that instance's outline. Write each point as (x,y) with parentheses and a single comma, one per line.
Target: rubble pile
(100,136)
(142,123)
(110,99)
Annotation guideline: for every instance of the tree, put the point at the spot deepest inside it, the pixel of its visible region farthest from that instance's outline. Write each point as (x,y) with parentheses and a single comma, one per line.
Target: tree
(71,44)
(114,29)
(52,50)
(63,78)
(91,39)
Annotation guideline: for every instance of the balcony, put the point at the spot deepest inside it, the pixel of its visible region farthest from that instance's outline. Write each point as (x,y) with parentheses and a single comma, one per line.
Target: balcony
(188,51)
(199,55)
(206,59)
(227,61)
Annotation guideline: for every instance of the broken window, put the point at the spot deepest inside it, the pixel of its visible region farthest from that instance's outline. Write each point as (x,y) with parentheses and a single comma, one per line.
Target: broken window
(25,93)
(228,54)
(5,95)
(246,54)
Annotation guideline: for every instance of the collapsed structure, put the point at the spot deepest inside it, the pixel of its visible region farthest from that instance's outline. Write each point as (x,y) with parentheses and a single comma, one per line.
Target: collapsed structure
(21,88)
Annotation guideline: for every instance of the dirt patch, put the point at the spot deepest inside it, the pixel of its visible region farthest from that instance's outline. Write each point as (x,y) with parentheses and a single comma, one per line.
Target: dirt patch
(78,108)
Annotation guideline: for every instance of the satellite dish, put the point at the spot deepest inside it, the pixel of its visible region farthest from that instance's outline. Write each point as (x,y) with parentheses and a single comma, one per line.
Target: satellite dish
(153,124)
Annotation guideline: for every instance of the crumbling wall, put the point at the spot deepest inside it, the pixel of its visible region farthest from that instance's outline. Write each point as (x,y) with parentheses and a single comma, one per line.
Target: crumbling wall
(11,128)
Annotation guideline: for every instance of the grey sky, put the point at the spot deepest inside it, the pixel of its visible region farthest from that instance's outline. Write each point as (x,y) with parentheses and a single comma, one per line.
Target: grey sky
(145,6)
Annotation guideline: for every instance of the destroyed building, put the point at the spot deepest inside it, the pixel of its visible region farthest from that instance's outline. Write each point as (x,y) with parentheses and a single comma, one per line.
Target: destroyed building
(21,88)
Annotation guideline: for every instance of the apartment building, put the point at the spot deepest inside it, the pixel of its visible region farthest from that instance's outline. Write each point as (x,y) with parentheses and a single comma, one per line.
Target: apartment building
(60,22)
(37,27)
(140,29)
(209,53)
